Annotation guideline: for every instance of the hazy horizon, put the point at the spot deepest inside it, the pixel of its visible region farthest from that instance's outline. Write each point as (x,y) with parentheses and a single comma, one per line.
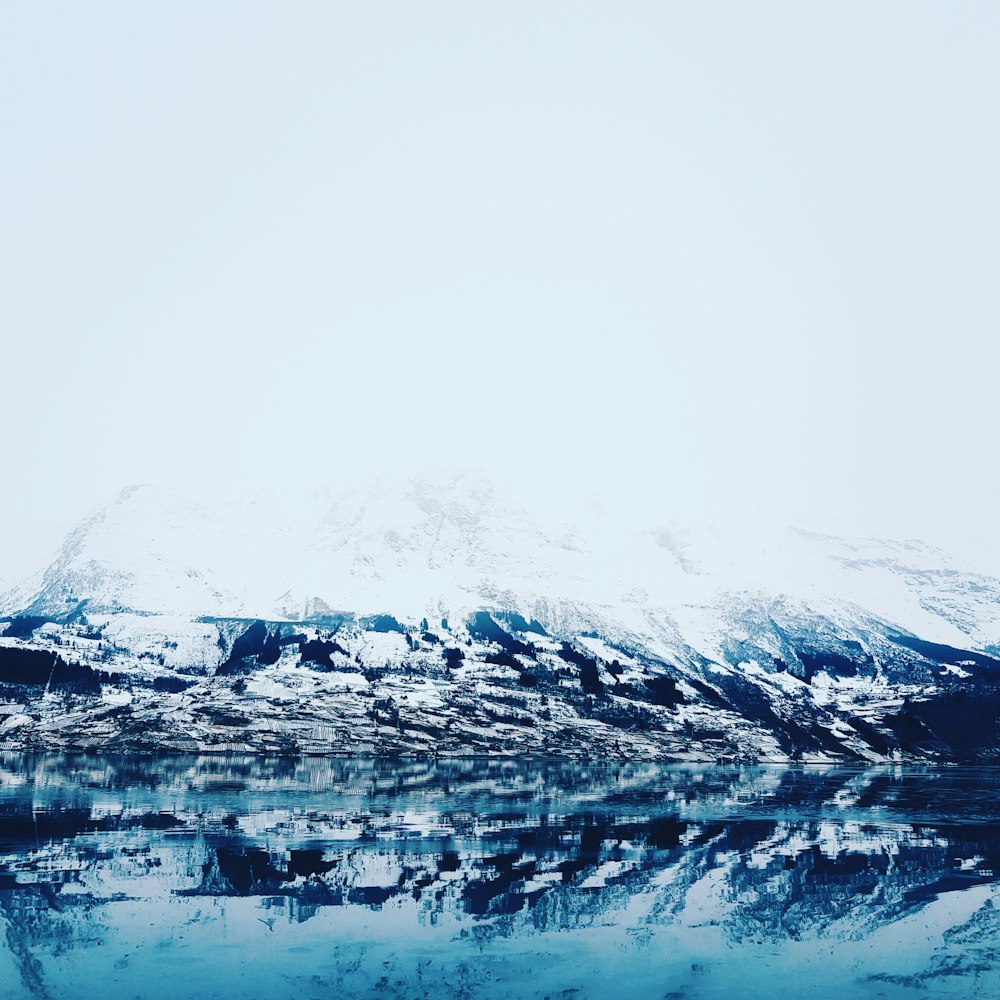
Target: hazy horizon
(688,259)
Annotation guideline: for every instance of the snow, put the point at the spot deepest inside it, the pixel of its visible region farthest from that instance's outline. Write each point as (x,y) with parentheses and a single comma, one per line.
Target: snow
(431,548)
(15,722)
(157,584)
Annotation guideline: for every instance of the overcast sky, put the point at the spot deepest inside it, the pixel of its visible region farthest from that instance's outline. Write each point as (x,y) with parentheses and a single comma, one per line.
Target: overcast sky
(700,254)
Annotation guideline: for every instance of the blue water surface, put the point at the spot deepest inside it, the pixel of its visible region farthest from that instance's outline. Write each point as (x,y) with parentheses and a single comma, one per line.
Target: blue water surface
(205,877)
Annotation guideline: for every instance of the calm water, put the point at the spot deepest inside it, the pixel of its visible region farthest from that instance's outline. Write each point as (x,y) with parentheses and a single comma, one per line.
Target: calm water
(244,878)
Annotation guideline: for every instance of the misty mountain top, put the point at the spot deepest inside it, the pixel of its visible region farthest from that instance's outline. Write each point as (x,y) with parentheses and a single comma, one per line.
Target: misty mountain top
(455,541)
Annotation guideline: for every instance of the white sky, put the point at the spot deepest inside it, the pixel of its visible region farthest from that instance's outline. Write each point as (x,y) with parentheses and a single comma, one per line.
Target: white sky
(700,254)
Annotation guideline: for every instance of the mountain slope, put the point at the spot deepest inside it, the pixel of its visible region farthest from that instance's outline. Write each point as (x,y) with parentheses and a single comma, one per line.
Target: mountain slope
(438,615)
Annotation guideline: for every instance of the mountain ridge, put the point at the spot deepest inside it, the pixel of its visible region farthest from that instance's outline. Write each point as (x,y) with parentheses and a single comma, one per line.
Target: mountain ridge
(665,640)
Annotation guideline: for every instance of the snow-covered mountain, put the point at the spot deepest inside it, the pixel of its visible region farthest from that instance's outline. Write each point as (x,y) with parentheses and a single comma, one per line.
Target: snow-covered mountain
(437,613)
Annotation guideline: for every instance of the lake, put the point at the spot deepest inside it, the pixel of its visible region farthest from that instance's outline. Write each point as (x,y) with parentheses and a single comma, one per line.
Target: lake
(232,877)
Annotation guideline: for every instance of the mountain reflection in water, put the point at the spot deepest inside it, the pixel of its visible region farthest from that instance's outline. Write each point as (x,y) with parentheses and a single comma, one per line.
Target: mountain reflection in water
(240,877)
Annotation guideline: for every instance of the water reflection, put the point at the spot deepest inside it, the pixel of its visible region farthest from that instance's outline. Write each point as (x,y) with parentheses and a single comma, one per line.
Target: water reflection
(202,877)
